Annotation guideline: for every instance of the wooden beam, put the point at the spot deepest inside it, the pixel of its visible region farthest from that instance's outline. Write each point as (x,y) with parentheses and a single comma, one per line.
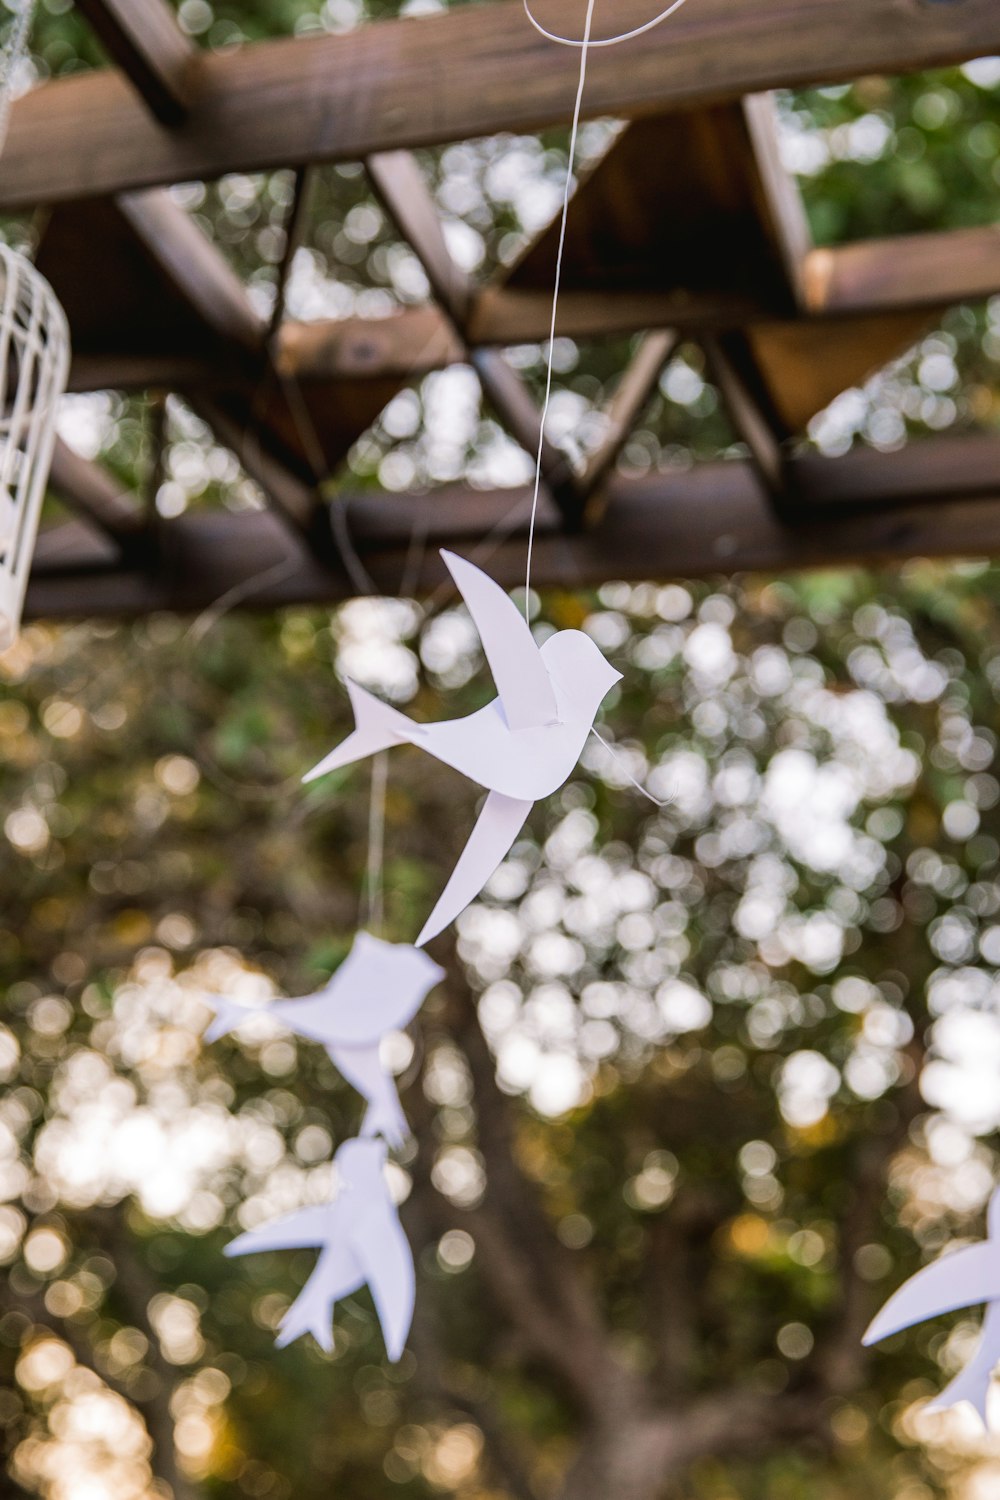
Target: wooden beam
(781,210)
(405,194)
(402,345)
(124,371)
(906,271)
(95,494)
(296,501)
(633,391)
(144,39)
(383,86)
(295,229)
(942,500)
(751,419)
(897,278)
(404,191)
(661,211)
(885,287)
(267,421)
(796,369)
(514,404)
(194,266)
(515,315)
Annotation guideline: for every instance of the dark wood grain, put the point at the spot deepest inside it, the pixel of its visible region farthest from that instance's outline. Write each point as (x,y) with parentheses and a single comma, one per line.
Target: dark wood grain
(473,71)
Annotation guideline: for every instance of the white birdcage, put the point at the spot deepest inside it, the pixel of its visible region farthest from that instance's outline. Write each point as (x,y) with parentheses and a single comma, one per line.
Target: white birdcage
(34,367)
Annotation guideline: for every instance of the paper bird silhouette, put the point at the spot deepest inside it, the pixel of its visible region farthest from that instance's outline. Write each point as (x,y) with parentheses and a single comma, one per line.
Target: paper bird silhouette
(958,1279)
(360,1241)
(521,747)
(378,988)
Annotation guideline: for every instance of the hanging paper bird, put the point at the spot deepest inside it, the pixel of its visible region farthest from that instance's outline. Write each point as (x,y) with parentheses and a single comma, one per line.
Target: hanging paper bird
(377,989)
(958,1279)
(521,747)
(360,1241)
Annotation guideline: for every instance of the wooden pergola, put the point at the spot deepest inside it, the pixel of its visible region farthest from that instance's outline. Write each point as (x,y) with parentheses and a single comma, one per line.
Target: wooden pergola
(688,227)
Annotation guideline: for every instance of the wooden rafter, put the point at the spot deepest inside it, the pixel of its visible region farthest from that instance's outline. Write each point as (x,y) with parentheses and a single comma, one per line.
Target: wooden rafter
(943,499)
(695,170)
(144,39)
(203,280)
(92,492)
(295,229)
(855,286)
(631,395)
(663,209)
(907,271)
(378,88)
(403,189)
(752,418)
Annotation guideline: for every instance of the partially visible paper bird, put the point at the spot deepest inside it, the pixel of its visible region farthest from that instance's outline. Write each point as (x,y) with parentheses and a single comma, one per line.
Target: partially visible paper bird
(360,1241)
(377,989)
(958,1279)
(521,747)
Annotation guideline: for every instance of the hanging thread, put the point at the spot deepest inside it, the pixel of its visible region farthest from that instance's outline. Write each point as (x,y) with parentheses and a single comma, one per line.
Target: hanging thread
(555,299)
(587,43)
(619,762)
(374,884)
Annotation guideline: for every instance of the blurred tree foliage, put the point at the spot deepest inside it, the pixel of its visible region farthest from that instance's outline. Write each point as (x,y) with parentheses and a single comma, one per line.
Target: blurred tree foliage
(705,1082)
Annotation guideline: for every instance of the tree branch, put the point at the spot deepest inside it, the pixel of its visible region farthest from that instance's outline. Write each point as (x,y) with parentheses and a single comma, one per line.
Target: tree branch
(840,1358)
(530,1274)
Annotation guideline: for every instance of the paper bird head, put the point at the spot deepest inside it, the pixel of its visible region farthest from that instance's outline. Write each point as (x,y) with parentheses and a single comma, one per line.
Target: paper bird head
(359,1162)
(394,968)
(580,672)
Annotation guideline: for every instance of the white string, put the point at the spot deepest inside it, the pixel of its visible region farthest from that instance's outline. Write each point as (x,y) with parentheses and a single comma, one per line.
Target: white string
(626,772)
(555,296)
(212,613)
(608,41)
(374,897)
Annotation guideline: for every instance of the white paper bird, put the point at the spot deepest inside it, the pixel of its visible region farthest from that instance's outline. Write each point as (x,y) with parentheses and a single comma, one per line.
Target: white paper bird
(377,989)
(360,1241)
(958,1279)
(521,747)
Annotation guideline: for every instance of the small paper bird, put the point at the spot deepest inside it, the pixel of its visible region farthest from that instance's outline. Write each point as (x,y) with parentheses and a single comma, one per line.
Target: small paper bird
(360,1241)
(521,747)
(377,989)
(961,1278)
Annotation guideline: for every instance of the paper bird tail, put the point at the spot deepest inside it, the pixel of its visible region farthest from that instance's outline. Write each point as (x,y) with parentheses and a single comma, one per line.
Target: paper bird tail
(971,1384)
(228,1015)
(378,725)
(384,1116)
(311,1312)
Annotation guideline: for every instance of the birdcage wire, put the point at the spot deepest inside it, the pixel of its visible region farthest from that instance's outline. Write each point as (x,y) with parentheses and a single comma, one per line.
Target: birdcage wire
(34,366)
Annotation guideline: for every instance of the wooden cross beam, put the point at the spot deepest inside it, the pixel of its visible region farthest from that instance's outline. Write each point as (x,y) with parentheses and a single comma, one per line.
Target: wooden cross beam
(472,71)
(144,39)
(936,498)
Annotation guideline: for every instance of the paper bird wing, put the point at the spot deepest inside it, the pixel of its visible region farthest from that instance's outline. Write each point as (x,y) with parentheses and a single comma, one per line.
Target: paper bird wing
(523,683)
(958,1280)
(305,1229)
(383,1252)
(498,825)
(973,1382)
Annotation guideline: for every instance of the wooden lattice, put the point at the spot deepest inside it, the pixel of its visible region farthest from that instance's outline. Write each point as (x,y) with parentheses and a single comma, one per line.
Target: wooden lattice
(694,175)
